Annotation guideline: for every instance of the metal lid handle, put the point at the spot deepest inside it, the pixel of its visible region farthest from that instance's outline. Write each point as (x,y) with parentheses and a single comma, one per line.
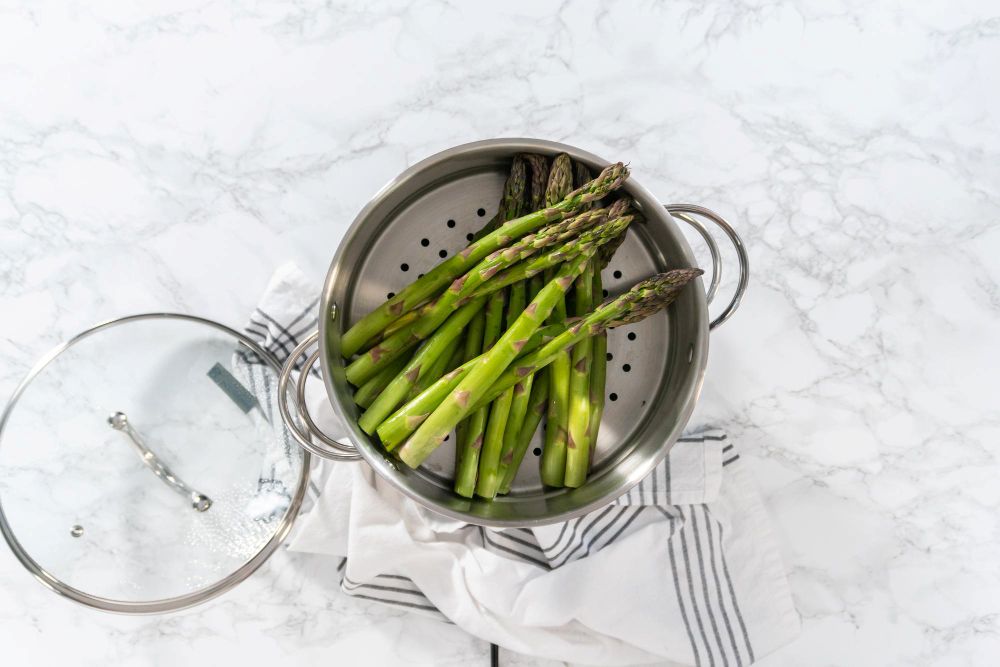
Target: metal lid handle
(199,501)
(682,212)
(330,448)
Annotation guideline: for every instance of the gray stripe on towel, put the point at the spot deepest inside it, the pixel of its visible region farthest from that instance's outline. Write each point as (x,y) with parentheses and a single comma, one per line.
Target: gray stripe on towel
(704,587)
(671,544)
(712,559)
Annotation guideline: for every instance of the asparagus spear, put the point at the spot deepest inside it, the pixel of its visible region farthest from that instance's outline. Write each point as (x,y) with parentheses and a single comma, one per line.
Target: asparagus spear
(557,406)
(512,200)
(604,234)
(610,248)
(535,285)
(473,435)
(368,364)
(563,253)
(560,179)
(423,288)
(644,299)
(536,408)
(523,395)
(599,363)
(539,166)
(557,187)
(403,321)
(598,371)
(470,447)
(430,374)
(496,429)
(517,300)
(511,205)
(473,348)
(553,464)
(487,481)
(457,359)
(578,431)
(406,419)
(432,432)
(556,435)
(476,324)
(437,345)
(443,364)
(581,174)
(370,390)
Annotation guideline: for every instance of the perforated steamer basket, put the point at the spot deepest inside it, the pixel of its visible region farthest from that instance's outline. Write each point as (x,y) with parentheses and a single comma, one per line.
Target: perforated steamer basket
(655,369)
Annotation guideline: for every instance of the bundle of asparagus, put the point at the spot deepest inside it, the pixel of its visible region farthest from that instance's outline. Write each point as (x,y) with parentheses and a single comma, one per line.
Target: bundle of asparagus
(482,343)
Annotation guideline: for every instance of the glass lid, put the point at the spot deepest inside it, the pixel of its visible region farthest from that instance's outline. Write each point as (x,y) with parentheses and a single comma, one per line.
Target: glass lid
(144,466)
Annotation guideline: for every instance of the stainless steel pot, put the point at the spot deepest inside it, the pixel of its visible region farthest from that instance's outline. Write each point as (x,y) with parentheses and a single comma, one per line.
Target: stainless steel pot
(654,377)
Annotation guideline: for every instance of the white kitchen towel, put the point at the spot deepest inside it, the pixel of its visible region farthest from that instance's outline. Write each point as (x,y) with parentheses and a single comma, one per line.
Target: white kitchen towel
(682,568)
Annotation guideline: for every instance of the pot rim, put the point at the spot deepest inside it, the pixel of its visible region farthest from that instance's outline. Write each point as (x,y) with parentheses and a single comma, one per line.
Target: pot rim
(384,466)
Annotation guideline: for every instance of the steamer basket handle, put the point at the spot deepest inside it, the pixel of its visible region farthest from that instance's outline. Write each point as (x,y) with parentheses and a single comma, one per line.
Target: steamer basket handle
(686,212)
(327,448)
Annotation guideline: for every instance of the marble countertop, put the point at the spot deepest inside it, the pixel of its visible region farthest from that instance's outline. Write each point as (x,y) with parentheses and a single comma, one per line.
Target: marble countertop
(169,155)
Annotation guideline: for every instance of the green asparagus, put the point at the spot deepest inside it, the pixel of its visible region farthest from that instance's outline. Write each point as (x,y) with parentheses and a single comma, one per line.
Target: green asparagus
(563,253)
(523,395)
(533,416)
(443,364)
(486,481)
(370,390)
(434,280)
(472,348)
(560,179)
(512,200)
(539,166)
(553,464)
(432,432)
(520,396)
(372,361)
(644,299)
(438,344)
(437,356)
(469,431)
(473,436)
(406,419)
(598,371)
(404,321)
(581,174)
(489,460)
(578,431)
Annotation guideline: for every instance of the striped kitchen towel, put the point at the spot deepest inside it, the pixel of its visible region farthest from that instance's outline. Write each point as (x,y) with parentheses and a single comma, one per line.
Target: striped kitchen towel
(681,568)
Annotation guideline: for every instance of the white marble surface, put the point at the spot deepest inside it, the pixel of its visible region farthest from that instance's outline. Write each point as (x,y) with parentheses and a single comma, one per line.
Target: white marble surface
(168,155)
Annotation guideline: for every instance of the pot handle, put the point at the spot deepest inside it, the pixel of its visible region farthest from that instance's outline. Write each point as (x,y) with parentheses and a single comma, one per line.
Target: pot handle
(685,213)
(330,448)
